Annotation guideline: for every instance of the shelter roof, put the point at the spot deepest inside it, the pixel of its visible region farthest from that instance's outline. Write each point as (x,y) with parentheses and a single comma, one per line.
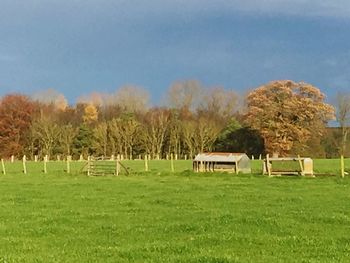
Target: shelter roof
(219,157)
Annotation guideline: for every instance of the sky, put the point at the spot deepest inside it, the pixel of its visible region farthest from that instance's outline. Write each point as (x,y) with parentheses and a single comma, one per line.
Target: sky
(80,46)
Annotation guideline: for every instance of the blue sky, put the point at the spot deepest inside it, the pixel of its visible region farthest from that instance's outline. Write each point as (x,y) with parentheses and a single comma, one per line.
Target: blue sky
(77,46)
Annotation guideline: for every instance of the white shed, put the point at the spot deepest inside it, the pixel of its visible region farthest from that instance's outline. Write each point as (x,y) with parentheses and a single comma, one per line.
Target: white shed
(218,161)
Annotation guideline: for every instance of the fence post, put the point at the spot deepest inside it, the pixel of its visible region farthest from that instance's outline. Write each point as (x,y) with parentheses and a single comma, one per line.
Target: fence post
(45,164)
(172,162)
(146,163)
(12,159)
(301,165)
(69,158)
(268,166)
(36,158)
(3,166)
(88,166)
(342,166)
(117,168)
(24,164)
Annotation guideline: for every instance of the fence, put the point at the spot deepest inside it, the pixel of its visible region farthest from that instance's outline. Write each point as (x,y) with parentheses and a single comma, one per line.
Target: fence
(91,165)
(68,166)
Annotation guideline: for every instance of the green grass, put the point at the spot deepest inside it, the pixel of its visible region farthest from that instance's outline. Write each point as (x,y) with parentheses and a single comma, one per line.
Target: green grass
(181,217)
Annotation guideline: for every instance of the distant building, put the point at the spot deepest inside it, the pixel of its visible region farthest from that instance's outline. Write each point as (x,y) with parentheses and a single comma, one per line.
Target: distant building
(225,162)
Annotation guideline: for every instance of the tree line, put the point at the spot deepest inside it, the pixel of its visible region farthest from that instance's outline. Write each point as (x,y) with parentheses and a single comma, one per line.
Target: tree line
(281,117)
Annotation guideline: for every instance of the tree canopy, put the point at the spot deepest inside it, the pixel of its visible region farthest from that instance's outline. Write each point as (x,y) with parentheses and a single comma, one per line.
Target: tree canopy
(285,112)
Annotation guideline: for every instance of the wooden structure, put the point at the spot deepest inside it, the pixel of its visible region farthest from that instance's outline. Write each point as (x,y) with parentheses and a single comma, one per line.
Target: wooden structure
(222,162)
(288,166)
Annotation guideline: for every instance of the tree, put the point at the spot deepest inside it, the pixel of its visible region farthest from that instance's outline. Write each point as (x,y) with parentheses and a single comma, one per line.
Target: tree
(188,135)
(51,96)
(174,133)
(131,99)
(185,95)
(68,133)
(47,133)
(90,114)
(207,131)
(129,131)
(15,119)
(82,143)
(219,103)
(343,118)
(155,125)
(115,135)
(285,112)
(100,141)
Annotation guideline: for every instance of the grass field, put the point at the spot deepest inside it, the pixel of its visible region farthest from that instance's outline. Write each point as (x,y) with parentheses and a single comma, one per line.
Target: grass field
(164,217)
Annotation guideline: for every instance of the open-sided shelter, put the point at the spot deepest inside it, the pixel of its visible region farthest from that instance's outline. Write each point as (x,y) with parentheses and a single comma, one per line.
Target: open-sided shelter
(217,161)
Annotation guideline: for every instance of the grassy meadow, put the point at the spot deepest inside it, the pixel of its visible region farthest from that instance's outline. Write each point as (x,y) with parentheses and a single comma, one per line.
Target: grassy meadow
(161,216)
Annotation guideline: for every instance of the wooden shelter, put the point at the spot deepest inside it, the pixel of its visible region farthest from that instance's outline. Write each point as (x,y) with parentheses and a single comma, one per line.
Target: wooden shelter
(288,166)
(222,162)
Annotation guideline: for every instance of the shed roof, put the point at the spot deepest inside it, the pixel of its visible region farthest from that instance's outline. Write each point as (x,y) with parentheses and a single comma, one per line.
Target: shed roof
(219,157)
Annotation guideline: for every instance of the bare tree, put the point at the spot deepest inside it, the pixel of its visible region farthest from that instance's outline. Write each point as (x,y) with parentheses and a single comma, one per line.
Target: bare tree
(115,136)
(129,131)
(131,99)
(47,133)
(185,95)
(207,131)
(100,133)
(343,118)
(189,135)
(51,96)
(155,126)
(175,133)
(219,103)
(68,133)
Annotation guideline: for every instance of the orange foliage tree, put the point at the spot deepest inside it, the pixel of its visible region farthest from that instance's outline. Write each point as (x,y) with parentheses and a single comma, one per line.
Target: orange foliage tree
(15,120)
(287,112)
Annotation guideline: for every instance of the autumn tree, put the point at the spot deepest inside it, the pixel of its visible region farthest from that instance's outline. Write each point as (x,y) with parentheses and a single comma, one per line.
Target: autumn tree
(90,114)
(15,120)
(285,112)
